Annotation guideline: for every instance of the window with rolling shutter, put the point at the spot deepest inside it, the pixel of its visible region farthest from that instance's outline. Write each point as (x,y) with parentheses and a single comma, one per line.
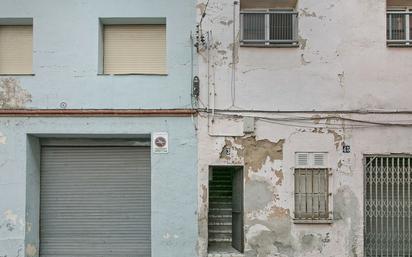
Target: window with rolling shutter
(134,49)
(16,49)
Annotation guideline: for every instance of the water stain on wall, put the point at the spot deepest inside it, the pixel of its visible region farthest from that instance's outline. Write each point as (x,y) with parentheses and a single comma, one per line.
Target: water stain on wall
(31,250)
(254,152)
(346,210)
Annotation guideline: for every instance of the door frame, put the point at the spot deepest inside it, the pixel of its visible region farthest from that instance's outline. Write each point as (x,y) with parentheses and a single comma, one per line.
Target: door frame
(241,169)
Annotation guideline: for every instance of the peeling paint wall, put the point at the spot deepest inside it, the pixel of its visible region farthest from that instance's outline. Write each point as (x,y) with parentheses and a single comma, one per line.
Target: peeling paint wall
(12,95)
(342,63)
(342,59)
(268,156)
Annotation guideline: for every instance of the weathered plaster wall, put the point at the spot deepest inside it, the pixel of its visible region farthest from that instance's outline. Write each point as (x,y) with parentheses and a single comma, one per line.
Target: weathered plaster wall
(174,208)
(66,56)
(268,156)
(342,62)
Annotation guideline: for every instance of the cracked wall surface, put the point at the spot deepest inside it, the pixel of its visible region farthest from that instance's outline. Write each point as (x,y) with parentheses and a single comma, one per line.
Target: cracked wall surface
(268,158)
(342,62)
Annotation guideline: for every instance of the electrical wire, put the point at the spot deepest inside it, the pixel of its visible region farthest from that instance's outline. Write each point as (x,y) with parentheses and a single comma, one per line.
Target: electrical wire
(307,122)
(203,14)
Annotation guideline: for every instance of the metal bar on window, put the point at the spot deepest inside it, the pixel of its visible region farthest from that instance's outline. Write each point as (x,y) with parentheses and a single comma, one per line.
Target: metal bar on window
(407,28)
(306,191)
(241,27)
(312,180)
(267,29)
(327,193)
(318,194)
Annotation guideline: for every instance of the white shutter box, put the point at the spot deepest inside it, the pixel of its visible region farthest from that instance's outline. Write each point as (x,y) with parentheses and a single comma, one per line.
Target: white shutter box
(134,49)
(310,159)
(302,159)
(319,159)
(16,49)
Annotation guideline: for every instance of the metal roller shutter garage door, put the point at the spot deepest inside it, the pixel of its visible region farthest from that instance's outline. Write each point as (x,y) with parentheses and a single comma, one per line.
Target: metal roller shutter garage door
(95,201)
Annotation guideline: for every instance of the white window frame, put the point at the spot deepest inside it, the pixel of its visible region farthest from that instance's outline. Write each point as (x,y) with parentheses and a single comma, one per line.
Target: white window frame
(267,42)
(407,11)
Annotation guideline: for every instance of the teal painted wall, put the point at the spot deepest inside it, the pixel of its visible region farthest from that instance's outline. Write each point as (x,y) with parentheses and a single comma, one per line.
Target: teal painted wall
(66,67)
(66,54)
(174,178)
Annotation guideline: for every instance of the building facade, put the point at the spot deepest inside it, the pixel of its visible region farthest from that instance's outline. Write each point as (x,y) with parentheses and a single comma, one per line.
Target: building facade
(272,128)
(304,128)
(84,86)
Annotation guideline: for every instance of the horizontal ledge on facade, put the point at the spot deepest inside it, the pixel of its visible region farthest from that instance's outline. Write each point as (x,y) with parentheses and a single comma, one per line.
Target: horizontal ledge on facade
(133,74)
(398,45)
(18,75)
(270,45)
(97,112)
(354,111)
(309,221)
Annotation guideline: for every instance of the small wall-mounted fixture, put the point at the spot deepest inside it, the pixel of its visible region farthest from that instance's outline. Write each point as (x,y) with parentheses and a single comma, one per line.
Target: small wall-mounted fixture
(196,87)
(248,124)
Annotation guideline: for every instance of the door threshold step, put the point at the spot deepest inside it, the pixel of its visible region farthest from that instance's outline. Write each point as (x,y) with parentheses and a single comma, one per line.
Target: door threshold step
(217,216)
(220,231)
(215,240)
(220,223)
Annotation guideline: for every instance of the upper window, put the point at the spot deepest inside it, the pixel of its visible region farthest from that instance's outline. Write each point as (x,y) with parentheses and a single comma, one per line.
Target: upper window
(16,49)
(134,49)
(271,27)
(311,188)
(399,26)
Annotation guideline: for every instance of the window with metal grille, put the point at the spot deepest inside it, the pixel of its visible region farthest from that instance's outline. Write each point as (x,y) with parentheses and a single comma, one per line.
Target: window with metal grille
(269,28)
(311,188)
(399,27)
(311,194)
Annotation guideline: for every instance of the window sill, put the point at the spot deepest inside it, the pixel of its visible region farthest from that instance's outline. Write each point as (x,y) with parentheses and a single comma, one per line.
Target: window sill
(308,221)
(271,45)
(398,45)
(133,74)
(15,75)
